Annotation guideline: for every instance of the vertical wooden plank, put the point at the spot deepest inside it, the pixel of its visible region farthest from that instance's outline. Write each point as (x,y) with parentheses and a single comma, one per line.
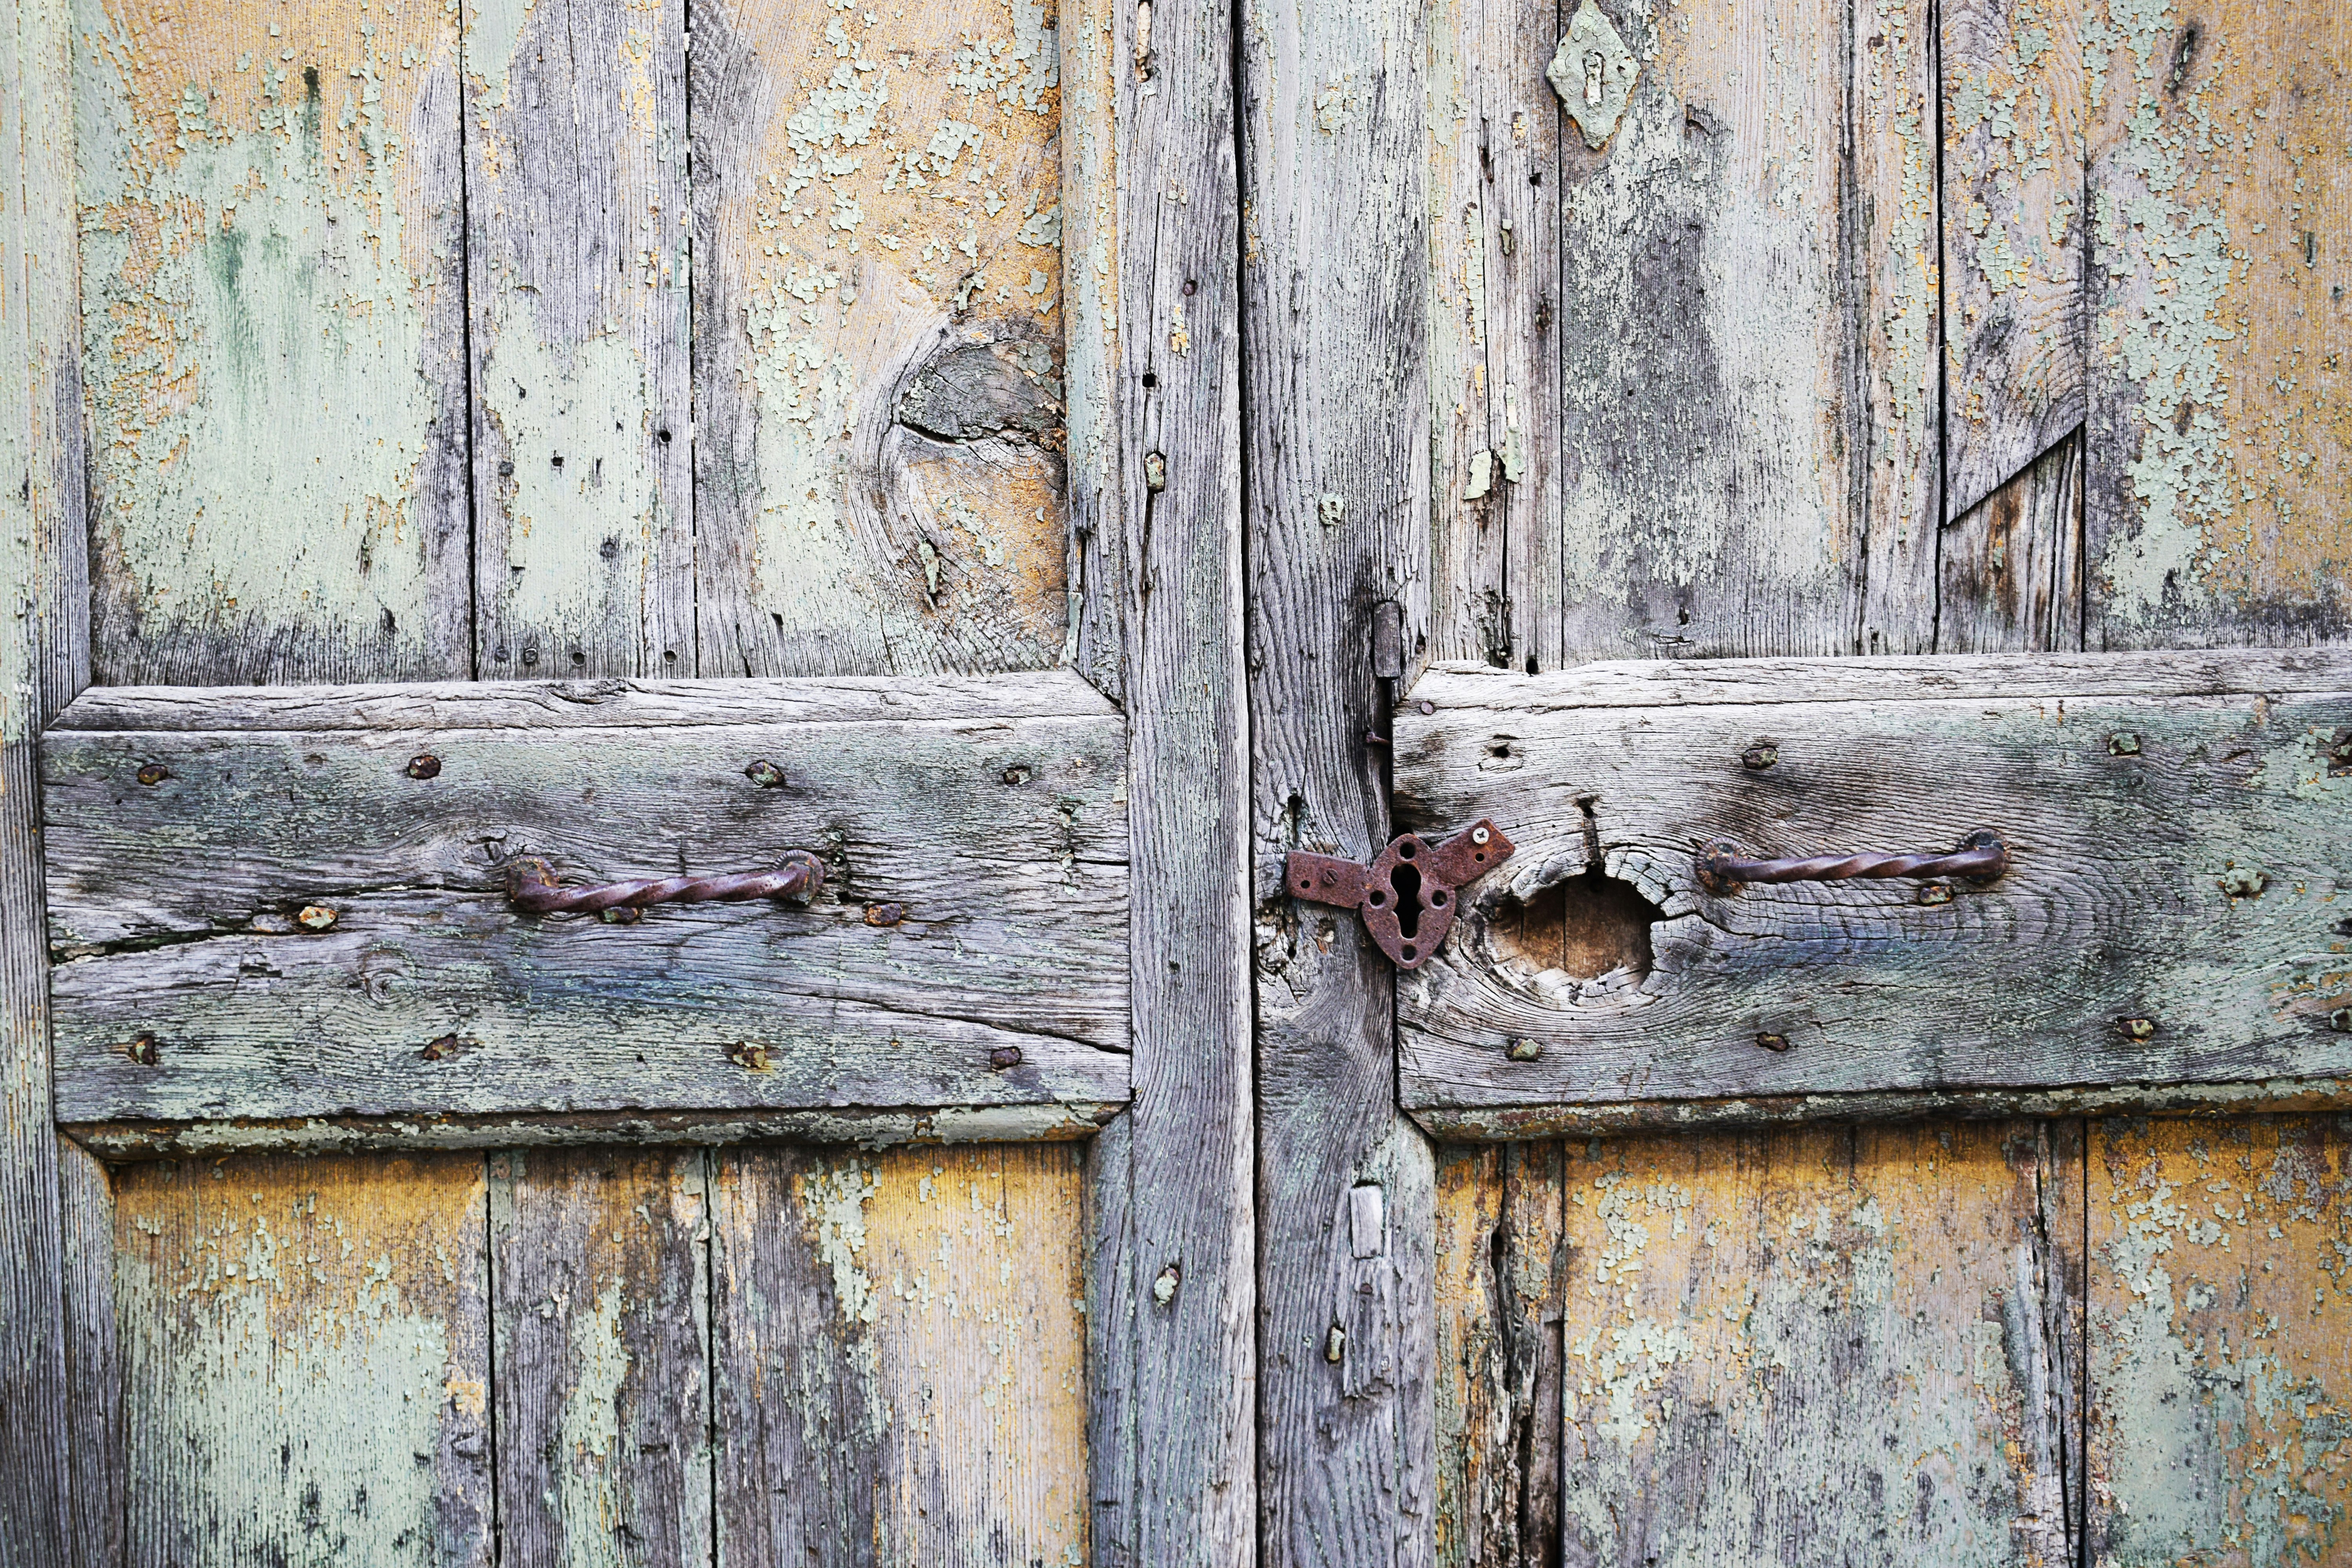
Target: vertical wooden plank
(878,338)
(1093,375)
(1748,337)
(900,1355)
(305,1365)
(44,660)
(2221,438)
(2012,200)
(600,1308)
(2013,568)
(1493,182)
(94,1358)
(1334,304)
(1114,1307)
(1829,1336)
(2221,1372)
(577,234)
(1502,1269)
(271,250)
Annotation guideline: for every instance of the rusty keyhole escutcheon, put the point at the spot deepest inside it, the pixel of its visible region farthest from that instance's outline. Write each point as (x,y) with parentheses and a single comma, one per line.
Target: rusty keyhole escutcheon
(1407,895)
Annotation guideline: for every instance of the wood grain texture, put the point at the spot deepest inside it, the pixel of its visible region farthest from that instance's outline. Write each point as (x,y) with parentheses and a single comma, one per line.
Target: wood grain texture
(2220,170)
(2221,1377)
(1747,330)
(94,1358)
(1005,845)
(2015,354)
(1335,251)
(1495,357)
(579,330)
(1193,1243)
(1502,1271)
(2169,916)
(1837,1342)
(877,338)
(1099,387)
(900,1348)
(43,658)
(272,245)
(306,1360)
(599,1303)
(2011,568)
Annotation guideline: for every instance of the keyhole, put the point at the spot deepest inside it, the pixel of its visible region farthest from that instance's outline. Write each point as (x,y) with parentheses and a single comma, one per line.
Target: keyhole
(1592,77)
(1407,883)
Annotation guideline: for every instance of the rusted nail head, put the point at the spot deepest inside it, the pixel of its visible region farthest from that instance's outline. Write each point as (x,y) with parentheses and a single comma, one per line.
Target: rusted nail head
(1756,759)
(2340,1020)
(620,916)
(153,774)
(1016,775)
(885,914)
(440,1050)
(2244,883)
(2139,1028)
(141,1049)
(1005,1057)
(2123,743)
(1525,1051)
(1773,1042)
(425,765)
(316,917)
(1935,893)
(748,1056)
(765,773)
(1425,707)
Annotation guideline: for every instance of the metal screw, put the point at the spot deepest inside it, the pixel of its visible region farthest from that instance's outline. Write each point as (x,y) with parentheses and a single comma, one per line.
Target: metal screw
(316,917)
(2244,883)
(1525,1051)
(1756,759)
(1426,707)
(2123,743)
(425,765)
(141,1049)
(1479,836)
(2139,1028)
(748,1056)
(1936,893)
(885,914)
(1163,1289)
(153,774)
(1005,1057)
(765,773)
(1335,1346)
(1773,1042)
(440,1050)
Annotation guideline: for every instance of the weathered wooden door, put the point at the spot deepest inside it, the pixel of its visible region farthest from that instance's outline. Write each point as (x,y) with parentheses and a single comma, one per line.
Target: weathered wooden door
(470,450)
(1805,423)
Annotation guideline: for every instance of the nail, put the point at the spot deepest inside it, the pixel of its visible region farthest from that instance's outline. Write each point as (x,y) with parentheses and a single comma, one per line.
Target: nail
(748,1056)
(141,1049)
(885,914)
(440,1050)
(2139,1028)
(765,773)
(1935,893)
(316,917)
(1163,1289)
(1005,1057)
(1756,759)
(1525,1051)
(425,765)
(153,774)
(2123,743)
(1773,1042)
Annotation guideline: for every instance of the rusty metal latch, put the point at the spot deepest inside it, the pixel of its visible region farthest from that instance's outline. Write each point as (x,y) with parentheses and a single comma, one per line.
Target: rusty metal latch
(1407,895)
(1981,857)
(531,885)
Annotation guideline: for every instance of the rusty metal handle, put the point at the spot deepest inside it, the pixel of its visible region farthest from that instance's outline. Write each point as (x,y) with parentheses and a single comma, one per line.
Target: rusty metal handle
(531,884)
(1980,856)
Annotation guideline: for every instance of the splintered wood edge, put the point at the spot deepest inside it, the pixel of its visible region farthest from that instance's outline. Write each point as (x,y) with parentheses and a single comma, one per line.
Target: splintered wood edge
(1509,1124)
(122,1143)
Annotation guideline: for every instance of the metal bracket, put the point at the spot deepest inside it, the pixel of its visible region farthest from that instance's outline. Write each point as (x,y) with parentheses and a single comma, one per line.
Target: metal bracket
(1594,73)
(1407,895)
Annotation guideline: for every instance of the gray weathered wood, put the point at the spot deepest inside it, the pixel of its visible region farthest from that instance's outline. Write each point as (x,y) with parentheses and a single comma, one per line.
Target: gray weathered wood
(93,1357)
(2014,357)
(2013,568)
(1004,844)
(1334,149)
(599,1305)
(2175,862)
(45,1469)
(578,308)
(271,1402)
(1099,388)
(274,302)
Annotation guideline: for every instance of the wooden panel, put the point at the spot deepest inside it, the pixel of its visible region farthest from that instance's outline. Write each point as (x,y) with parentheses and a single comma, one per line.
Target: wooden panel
(2220,1387)
(271,255)
(1004,844)
(900,1356)
(1747,330)
(2220,437)
(2169,916)
(577,229)
(2012,236)
(1502,1275)
(94,1358)
(306,1360)
(600,1300)
(1847,1342)
(877,338)
(1335,265)
(2013,568)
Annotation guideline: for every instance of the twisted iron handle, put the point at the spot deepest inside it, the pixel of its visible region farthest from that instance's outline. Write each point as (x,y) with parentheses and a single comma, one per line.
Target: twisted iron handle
(1980,856)
(531,885)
